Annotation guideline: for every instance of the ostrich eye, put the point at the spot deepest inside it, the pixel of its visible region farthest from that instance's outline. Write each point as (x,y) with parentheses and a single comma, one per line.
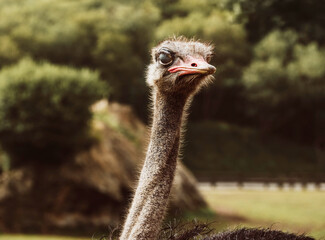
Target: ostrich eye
(165,58)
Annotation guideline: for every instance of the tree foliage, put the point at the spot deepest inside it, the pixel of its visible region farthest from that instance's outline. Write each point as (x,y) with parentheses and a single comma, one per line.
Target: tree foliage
(109,36)
(286,80)
(269,54)
(262,17)
(44,109)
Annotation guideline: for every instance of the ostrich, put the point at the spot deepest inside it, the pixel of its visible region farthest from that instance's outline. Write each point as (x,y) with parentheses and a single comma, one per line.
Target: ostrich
(179,68)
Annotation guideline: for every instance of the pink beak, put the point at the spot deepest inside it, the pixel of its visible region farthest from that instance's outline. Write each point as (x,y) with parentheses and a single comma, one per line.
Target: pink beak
(193,66)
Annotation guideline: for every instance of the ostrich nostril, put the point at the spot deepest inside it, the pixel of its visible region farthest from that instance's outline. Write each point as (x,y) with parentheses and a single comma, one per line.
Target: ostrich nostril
(194,65)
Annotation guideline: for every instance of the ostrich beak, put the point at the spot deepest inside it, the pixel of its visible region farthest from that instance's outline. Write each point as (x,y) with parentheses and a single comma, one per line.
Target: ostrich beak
(193,66)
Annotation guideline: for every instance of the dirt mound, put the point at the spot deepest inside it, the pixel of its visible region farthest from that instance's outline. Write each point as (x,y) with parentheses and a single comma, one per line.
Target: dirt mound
(93,190)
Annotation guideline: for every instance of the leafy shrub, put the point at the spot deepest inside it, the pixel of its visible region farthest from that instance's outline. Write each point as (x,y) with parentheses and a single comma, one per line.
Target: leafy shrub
(44,109)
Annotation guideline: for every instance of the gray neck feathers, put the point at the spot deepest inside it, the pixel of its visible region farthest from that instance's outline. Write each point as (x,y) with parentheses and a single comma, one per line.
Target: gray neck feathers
(151,197)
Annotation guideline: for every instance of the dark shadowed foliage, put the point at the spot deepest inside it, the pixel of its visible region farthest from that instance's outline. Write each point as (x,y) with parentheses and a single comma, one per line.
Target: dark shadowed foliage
(261,17)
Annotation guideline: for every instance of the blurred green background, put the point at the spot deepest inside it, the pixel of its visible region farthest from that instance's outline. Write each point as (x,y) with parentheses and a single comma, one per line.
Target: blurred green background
(262,119)
(270,59)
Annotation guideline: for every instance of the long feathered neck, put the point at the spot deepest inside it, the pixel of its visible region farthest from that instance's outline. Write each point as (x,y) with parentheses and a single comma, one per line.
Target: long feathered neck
(151,197)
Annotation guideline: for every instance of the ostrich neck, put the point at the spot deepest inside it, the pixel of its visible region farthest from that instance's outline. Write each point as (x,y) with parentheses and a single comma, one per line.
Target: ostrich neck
(151,197)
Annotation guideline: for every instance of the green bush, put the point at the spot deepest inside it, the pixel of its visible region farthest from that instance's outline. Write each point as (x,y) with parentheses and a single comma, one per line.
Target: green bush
(44,110)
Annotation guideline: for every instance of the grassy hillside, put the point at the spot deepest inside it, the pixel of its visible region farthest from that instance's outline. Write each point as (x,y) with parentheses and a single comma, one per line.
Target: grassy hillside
(214,149)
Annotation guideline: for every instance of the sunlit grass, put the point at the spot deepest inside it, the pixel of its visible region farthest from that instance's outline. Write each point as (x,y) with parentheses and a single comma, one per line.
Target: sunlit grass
(300,212)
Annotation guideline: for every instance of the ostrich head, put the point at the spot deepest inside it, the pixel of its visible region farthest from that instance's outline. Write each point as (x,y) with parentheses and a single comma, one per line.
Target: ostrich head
(180,66)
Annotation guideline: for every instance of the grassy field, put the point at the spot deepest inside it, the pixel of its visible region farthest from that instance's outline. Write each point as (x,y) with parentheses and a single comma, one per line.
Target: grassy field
(300,212)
